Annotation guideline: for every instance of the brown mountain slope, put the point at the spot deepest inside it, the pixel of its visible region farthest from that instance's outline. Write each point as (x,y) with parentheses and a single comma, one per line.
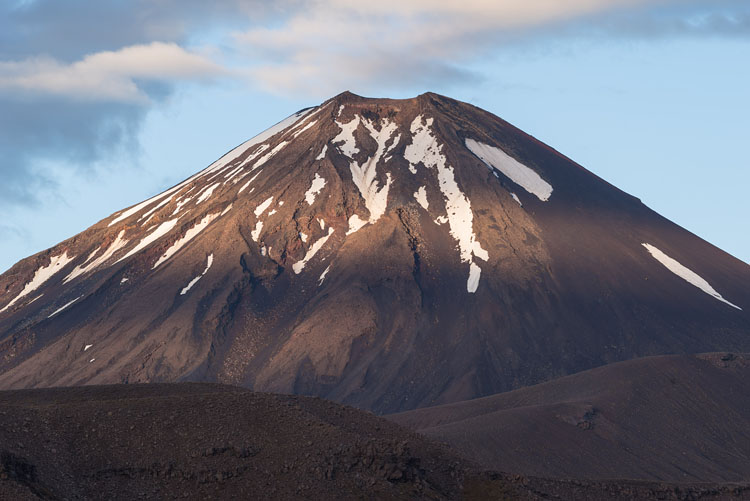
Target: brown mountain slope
(209,441)
(201,441)
(667,418)
(363,251)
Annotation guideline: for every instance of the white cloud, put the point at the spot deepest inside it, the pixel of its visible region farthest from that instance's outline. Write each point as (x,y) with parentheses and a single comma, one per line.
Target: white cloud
(318,47)
(329,44)
(107,75)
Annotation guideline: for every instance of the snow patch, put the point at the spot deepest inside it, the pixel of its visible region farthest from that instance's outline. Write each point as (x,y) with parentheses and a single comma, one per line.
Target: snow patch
(189,235)
(118,244)
(64,307)
(85,348)
(322,154)
(271,213)
(686,274)
(41,275)
(255,234)
(364,175)
(207,192)
(515,197)
(303,129)
(517,172)
(265,158)
(219,164)
(355,223)
(262,207)
(248,183)
(159,232)
(227,209)
(473,282)
(322,224)
(323,275)
(180,204)
(123,280)
(146,203)
(421,196)
(133,210)
(194,281)
(300,265)
(260,138)
(317,184)
(232,173)
(425,148)
(349,146)
(150,213)
(91,256)
(250,158)
(303,237)
(393,145)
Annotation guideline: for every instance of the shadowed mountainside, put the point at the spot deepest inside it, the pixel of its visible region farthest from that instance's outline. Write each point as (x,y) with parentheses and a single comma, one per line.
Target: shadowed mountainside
(203,441)
(666,418)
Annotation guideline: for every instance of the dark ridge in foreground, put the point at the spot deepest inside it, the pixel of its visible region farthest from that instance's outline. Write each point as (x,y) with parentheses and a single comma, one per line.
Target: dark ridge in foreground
(666,418)
(204,441)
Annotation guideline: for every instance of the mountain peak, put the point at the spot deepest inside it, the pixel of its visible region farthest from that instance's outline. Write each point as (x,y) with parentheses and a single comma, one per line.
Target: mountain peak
(425,99)
(388,253)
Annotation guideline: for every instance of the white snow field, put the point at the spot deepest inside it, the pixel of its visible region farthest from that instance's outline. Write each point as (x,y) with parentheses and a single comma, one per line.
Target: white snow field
(189,235)
(41,275)
(317,185)
(517,172)
(300,265)
(194,281)
(425,149)
(686,274)
(63,308)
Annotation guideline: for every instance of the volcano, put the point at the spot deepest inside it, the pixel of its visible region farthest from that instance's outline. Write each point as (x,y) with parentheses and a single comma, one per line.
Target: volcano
(387,254)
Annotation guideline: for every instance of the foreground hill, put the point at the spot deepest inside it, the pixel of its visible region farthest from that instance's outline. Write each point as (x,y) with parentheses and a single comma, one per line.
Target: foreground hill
(201,441)
(388,254)
(667,418)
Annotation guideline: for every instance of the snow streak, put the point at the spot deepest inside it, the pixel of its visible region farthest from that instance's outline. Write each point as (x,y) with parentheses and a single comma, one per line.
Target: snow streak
(41,275)
(424,148)
(116,245)
(194,281)
(686,274)
(300,265)
(364,175)
(523,176)
(189,235)
(317,184)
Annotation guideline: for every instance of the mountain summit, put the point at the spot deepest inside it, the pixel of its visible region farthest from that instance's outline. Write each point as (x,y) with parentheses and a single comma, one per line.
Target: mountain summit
(389,254)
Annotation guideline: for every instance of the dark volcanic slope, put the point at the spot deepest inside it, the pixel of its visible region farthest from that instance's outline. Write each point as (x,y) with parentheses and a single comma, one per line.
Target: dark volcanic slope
(200,441)
(363,251)
(669,418)
(158,441)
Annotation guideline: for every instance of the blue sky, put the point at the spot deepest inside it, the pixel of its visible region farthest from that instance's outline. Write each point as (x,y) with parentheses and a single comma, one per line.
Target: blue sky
(651,95)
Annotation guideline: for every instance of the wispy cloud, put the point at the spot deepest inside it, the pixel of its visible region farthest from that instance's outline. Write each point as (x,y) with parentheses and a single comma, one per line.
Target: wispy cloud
(333,44)
(727,18)
(108,75)
(326,45)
